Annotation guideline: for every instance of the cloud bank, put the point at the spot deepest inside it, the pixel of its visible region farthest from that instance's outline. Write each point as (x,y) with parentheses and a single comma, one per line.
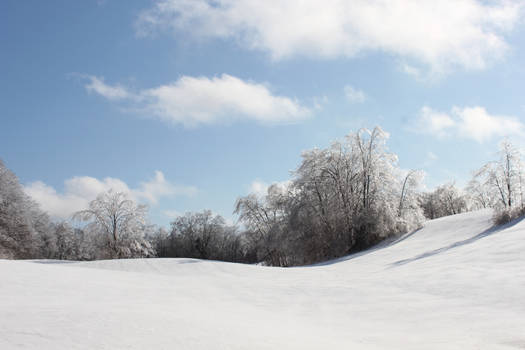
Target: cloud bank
(437,34)
(80,190)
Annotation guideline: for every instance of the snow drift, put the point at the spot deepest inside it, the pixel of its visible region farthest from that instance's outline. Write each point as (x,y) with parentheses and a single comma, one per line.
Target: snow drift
(455,284)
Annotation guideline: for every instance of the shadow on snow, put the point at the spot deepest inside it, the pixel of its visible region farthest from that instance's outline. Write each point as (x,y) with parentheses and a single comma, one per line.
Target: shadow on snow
(488,232)
(393,241)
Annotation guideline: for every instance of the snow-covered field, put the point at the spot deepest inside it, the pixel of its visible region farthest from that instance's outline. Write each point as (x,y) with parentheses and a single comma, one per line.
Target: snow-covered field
(454,284)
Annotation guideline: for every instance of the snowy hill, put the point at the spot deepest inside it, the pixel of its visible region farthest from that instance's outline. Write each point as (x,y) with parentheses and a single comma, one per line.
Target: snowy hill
(455,284)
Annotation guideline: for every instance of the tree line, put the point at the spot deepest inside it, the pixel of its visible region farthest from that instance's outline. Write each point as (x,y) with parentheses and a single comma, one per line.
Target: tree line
(340,199)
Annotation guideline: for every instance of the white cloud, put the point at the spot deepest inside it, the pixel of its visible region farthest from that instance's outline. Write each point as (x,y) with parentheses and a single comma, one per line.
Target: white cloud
(468,122)
(438,34)
(80,190)
(98,86)
(158,187)
(410,70)
(434,122)
(476,123)
(354,95)
(193,101)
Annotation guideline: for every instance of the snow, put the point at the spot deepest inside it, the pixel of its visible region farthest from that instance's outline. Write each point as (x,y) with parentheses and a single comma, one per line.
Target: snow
(455,284)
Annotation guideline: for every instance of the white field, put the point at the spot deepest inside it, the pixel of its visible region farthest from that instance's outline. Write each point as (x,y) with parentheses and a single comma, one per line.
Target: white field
(455,284)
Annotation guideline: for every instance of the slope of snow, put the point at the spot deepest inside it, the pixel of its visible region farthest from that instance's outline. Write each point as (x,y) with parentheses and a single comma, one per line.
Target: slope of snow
(455,284)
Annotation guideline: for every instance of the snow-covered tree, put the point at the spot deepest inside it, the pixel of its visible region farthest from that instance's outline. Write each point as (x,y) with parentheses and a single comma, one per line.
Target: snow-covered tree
(500,184)
(264,219)
(117,225)
(72,243)
(202,235)
(342,198)
(410,213)
(24,228)
(479,195)
(503,179)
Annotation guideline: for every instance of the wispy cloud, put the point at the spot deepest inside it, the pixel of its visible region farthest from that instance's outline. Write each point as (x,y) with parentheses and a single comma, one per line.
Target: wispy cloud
(194,101)
(98,86)
(467,122)
(439,35)
(80,190)
(354,95)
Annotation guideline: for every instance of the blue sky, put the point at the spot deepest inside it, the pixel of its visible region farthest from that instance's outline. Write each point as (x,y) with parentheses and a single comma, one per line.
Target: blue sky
(189,104)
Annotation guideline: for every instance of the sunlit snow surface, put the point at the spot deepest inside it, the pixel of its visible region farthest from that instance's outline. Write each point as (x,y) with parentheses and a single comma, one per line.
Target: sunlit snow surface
(454,284)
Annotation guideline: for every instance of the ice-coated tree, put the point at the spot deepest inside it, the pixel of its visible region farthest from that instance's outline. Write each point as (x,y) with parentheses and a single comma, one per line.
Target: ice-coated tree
(357,187)
(24,228)
(71,243)
(264,218)
(202,235)
(480,197)
(117,226)
(341,199)
(445,200)
(160,239)
(410,213)
(501,182)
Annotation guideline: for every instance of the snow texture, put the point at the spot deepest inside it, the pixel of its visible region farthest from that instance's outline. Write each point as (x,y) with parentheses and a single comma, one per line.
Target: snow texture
(455,284)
